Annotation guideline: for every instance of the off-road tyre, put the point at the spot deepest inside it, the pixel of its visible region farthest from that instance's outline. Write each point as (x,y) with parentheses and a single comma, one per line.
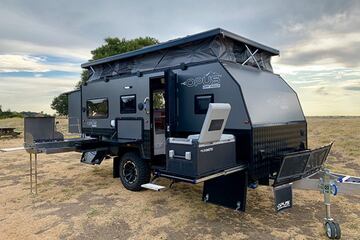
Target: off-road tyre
(134,171)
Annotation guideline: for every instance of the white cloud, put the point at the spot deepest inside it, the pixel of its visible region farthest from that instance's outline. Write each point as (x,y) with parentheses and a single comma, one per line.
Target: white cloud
(319,41)
(38,75)
(33,94)
(26,63)
(352,85)
(331,41)
(20,47)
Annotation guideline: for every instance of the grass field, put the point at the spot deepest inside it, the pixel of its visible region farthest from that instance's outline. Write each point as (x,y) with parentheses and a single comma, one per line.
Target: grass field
(78,201)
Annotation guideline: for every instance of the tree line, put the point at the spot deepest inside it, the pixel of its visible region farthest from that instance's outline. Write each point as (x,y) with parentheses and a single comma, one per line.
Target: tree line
(12,114)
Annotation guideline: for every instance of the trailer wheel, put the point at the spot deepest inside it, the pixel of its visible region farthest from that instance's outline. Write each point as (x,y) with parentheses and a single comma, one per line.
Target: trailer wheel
(332,230)
(338,230)
(133,171)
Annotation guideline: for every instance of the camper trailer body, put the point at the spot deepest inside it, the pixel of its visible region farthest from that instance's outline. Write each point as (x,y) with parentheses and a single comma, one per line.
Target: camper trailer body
(268,132)
(135,102)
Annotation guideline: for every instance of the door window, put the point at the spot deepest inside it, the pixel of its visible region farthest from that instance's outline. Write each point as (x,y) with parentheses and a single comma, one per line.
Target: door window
(159,111)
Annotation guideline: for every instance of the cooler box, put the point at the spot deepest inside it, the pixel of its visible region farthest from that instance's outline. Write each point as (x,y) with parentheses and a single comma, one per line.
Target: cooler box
(189,158)
(208,152)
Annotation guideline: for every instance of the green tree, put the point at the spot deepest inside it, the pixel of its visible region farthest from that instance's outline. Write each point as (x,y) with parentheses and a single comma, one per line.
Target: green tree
(60,104)
(84,77)
(115,45)
(112,46)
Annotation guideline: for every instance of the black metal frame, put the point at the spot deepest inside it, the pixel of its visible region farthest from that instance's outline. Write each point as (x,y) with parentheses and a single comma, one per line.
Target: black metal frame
(305,153)
(280,180)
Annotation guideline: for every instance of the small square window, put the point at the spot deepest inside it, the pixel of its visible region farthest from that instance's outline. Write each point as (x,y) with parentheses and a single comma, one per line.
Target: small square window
(128,104)
(202,103)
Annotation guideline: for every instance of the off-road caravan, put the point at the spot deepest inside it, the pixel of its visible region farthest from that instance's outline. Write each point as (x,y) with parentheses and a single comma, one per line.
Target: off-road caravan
(203,108)
(137,103)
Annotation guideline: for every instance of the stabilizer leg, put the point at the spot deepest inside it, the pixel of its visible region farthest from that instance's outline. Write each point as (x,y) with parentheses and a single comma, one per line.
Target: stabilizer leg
(328,188)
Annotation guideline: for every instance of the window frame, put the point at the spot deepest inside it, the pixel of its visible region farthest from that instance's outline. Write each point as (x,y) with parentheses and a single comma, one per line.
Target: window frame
(123,111)
(196,110)
(97,117)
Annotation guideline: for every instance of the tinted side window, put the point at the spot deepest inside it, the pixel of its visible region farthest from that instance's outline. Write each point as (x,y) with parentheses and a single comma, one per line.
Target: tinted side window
(97,108)
(202,103)
(128,104)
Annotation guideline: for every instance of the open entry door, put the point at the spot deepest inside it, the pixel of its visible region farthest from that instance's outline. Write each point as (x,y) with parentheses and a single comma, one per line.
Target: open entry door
(158,125)
(170,102)
(163,110)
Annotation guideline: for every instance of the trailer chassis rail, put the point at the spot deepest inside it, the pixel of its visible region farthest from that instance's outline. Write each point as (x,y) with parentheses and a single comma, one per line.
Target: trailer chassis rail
(202,179)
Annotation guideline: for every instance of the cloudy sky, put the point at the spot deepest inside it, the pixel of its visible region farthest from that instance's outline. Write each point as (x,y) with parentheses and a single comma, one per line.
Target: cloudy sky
(43,43)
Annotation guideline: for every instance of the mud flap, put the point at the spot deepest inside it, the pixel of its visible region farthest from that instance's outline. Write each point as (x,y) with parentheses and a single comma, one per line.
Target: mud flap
(116,167)
(227,191)
(283,197)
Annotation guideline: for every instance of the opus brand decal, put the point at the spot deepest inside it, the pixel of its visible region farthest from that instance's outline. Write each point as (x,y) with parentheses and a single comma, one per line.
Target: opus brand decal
(207,81)
(92,123)
(282,205)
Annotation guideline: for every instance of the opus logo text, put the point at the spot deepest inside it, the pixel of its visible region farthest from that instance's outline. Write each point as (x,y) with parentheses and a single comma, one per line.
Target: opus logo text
(207,81)
(282,205)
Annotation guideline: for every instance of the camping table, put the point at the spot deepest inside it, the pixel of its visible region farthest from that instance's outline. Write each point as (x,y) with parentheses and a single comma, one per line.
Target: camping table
(8,132)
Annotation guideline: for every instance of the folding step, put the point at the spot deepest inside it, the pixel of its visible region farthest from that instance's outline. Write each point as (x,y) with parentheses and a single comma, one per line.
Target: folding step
(153,186)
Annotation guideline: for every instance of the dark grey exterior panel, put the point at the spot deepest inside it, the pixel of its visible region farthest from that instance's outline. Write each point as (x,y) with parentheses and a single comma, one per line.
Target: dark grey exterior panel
(38,129)
(130,129)
(268,98)
(112,90)
(74,111)
(208,79)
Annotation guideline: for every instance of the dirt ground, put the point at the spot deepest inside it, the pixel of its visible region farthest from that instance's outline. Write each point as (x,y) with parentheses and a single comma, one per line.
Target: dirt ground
(78,201)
